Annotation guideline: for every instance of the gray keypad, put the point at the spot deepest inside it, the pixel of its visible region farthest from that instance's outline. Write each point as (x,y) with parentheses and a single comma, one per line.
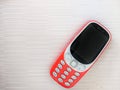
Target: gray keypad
(65,74)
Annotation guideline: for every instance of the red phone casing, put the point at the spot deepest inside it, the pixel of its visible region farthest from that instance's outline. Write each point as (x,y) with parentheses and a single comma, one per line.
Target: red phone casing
(65,83)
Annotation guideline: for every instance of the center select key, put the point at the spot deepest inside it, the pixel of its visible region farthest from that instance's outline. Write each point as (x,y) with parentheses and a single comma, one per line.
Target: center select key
(73,63)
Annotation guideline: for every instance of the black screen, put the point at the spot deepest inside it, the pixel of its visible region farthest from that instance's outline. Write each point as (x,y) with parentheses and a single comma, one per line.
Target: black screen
(89,43)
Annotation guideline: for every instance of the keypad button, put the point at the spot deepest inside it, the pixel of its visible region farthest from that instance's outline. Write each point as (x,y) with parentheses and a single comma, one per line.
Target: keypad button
(69,69)
(77,74)
(62,62)
(60,80)
(60,66)
(68,56)
(57,70)
(66,73)
(54,74)
(73,63)
(70,80)
(74,77)
(81,67)
(67,83)
(63,76)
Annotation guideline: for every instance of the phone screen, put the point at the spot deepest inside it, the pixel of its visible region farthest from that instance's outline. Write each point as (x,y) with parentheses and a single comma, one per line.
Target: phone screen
(89,43)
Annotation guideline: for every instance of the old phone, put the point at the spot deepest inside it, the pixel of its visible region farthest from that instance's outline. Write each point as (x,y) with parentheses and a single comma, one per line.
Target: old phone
(80,54)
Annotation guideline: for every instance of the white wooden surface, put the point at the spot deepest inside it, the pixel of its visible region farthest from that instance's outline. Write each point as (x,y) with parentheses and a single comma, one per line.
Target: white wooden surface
(33,32)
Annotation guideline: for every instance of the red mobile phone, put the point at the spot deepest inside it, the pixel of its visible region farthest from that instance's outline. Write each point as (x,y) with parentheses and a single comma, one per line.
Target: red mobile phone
(80,54)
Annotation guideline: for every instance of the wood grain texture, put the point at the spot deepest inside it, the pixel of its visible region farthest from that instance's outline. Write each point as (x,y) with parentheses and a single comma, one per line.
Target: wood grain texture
(33,32)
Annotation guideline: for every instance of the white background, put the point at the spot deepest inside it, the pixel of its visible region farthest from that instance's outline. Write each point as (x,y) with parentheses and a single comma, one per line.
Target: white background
(33,33)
